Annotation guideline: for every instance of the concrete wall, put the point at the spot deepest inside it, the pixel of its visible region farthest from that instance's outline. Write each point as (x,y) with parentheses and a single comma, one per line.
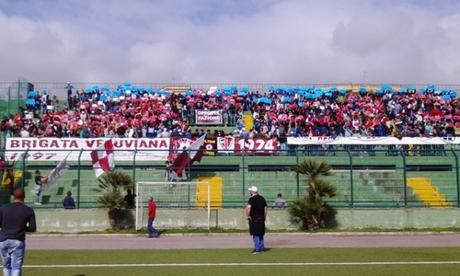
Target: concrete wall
(96,219)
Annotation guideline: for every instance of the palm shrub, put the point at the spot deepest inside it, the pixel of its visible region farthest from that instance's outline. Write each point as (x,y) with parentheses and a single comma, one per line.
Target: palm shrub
(312,211)
(110,186)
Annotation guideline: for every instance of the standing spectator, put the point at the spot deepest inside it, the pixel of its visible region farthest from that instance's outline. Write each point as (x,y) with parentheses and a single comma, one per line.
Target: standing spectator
(15,219)
(68,201)
(168,171)
(129,199)
(2,166)
(152,210)
(9,179)
(256,212)
(69,88)
(280,202)
(55,103)
(39,181)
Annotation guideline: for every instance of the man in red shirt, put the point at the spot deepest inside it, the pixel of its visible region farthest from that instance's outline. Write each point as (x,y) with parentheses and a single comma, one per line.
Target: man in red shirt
(152,207)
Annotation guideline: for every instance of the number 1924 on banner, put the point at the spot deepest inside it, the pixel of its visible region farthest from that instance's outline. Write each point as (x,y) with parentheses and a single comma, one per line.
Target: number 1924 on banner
(256,146)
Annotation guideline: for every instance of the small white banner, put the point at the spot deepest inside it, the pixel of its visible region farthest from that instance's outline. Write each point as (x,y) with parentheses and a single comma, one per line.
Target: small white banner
(208,117)
(373,141)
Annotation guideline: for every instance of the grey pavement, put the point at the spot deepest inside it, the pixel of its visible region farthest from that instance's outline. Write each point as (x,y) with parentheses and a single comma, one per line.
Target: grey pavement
(272,240)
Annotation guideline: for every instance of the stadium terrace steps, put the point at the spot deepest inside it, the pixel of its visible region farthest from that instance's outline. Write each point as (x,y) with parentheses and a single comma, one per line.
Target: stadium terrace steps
(428,194)
(248,122)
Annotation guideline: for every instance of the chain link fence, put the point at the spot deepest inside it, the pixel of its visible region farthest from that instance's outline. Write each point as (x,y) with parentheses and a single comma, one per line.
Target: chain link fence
(363,177)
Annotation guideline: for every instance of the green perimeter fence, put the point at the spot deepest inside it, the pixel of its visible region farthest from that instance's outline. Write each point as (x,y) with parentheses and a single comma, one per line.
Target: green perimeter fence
(13,96)
(363,177)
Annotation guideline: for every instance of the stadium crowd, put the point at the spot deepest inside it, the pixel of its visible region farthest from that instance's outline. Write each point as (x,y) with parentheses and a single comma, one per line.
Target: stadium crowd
(130,111)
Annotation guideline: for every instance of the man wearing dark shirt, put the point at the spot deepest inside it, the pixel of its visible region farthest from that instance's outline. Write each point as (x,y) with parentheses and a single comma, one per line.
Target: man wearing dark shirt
(15,219)
(68,202)
(256,212)
(129,199)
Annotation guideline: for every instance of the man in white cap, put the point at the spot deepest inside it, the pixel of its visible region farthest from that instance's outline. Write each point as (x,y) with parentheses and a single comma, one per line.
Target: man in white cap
(256,212)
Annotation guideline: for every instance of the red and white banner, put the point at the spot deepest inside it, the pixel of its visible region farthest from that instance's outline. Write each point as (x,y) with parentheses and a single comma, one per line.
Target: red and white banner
(226,144)
(372,141)
(189,155)
(102,159)
(256,146)
(208,117)
(210,147)
(56,149)
(248,146)
(177,145)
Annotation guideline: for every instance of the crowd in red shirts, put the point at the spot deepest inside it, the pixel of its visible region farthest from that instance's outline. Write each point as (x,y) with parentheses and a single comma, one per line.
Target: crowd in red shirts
(278,115)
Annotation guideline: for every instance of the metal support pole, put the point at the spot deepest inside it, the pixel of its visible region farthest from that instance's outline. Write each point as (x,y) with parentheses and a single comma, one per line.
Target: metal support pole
(404,176)
(8,103)
(79,179)
(23,169)
(137,206)
(297,173)
(134,168)
(243,168)
(457,177)
(19,93)
(352,195)
(209,206)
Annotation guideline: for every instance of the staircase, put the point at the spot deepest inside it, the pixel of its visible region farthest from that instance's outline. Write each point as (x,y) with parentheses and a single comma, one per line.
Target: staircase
(248,122)
(428,194)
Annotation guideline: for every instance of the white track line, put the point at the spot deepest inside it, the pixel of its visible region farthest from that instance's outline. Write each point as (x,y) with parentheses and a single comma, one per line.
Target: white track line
(244,264)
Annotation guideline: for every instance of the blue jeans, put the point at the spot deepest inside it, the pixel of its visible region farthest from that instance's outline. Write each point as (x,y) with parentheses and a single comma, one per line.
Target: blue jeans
(12,256)
(150,228)
(258,243)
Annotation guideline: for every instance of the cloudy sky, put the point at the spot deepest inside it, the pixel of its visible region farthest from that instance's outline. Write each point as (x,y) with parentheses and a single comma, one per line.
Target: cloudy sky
(230,41)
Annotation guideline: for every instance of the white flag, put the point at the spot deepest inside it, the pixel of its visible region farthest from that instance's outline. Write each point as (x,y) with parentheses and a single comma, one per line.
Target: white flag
(56,173)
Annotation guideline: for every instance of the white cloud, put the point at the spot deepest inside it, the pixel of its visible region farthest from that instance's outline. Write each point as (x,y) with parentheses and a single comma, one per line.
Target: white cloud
(285,41)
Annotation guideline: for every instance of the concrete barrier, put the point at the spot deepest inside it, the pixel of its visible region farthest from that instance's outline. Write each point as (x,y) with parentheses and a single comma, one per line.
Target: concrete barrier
(72,221)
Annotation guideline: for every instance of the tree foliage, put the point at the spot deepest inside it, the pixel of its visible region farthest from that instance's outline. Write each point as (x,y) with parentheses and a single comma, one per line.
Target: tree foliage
(312,211)
(111,185)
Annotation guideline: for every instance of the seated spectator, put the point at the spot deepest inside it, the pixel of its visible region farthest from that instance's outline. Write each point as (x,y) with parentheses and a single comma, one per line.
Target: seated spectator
(68,201)
(280,202)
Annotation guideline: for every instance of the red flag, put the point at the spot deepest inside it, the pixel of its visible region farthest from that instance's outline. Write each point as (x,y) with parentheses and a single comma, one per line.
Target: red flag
(181,161)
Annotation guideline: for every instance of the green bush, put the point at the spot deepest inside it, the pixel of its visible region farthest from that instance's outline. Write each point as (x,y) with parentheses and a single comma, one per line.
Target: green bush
(312,211)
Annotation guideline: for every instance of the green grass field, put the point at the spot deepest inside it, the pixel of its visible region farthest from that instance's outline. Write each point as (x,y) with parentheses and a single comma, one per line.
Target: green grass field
(311,261)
